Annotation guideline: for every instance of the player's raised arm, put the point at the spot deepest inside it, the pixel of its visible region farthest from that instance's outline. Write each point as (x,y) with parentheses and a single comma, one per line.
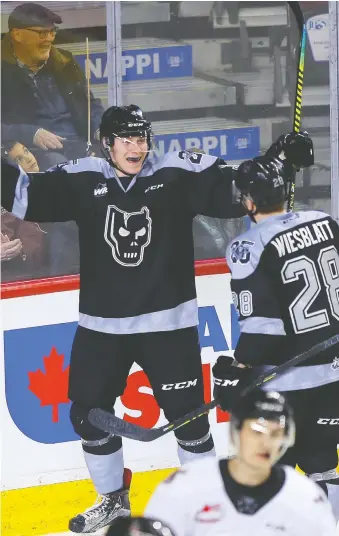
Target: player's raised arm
(41,197)
(208,181)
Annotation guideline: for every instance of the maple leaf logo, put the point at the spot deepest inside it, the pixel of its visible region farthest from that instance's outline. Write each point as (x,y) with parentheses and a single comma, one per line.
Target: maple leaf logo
(51,387)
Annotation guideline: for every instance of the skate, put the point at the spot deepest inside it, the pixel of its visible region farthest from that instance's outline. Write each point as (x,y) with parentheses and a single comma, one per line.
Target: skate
(101,514)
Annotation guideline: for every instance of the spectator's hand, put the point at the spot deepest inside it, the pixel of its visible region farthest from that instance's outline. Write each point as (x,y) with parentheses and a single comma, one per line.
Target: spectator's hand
(47,140)
(10,248)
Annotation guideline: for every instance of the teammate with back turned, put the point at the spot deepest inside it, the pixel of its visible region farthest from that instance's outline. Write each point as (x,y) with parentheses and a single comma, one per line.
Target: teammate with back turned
(285,286)
(250,493)
(138,301)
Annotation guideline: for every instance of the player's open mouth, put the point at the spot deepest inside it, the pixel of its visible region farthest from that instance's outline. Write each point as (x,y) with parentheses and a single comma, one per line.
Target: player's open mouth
(264,455)
(133,159)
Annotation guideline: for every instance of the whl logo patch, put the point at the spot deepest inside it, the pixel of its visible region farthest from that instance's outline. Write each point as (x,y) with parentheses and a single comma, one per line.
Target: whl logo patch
(101,190)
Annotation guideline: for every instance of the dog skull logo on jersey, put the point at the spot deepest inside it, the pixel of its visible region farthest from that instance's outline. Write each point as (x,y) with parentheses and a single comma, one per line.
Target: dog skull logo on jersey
(240,251)
(128,233)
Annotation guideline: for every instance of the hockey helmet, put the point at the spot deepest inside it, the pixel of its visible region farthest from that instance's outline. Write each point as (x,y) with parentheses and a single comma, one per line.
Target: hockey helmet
(138,526)
(263,406)
(265,179)
(125,121)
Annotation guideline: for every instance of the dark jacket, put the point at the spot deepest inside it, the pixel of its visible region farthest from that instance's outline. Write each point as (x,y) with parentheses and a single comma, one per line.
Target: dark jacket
(19,105)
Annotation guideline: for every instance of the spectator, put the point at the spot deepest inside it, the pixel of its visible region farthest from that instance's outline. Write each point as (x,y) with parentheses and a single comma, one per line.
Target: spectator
(63,247)
(17,152)
(23,245)
(44,92)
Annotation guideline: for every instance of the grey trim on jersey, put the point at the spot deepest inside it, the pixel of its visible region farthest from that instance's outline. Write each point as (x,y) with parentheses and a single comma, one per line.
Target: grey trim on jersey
(172,160)
(262,233)
(89,163)
(152,164)
(106,470)
(183,316)
(302,378)
(20,202)
(262,325)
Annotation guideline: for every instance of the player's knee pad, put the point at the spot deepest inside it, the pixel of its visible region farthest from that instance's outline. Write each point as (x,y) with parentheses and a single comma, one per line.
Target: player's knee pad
(93,440)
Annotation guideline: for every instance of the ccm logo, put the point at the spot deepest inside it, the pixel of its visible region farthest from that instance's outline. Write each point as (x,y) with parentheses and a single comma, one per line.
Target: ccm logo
(154,187)
(180,385)
(328,421)
(224,383)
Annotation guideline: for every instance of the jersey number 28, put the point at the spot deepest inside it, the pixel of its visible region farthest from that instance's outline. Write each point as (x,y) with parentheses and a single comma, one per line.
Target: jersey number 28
(328,266)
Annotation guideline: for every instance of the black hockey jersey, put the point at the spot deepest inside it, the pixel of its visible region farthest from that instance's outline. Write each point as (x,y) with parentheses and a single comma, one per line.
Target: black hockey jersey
(136,245)
(285,286)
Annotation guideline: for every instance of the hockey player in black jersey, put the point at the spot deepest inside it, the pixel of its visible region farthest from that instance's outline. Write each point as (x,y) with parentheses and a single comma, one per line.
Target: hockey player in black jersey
(138,301)
(285,286)
(249,494)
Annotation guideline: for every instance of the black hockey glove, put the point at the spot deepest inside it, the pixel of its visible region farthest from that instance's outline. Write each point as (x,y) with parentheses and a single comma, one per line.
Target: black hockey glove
(296,148)
(229,381)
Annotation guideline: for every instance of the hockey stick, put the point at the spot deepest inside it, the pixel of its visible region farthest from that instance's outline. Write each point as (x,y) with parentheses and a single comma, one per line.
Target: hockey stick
(88,76)
(295,7)
(114,425)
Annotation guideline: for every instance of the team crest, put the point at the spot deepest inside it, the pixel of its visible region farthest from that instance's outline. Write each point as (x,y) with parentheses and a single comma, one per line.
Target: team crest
(241,251)
(210,513)
(128,234)
(335,364)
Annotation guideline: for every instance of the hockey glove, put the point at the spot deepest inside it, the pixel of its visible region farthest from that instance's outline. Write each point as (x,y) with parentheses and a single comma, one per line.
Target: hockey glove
(229,382)
(296,148)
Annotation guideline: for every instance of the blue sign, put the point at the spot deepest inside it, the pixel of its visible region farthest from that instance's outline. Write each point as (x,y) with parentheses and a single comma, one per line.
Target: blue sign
(36,376)
(37,368)
(233,144)
(143,64)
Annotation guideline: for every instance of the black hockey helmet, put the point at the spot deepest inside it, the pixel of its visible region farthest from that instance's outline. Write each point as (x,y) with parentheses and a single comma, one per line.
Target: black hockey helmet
(264,406)
(138,526)
(264,179)
(125,121)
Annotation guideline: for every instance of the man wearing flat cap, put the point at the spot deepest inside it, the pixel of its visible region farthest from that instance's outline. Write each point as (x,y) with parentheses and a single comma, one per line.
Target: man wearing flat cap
(44,91)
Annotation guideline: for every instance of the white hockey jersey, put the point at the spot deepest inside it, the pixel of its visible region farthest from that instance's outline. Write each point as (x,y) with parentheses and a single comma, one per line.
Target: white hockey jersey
(194,502)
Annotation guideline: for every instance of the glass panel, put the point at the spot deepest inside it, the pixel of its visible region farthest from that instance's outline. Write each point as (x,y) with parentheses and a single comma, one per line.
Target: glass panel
(314,185)
(220,76)
(45,119)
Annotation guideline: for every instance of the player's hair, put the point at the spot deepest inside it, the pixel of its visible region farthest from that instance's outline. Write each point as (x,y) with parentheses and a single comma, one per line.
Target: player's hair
(277,207)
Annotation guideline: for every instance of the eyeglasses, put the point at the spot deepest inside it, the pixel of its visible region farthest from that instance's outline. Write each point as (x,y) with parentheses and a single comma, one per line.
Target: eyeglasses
(43,33)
